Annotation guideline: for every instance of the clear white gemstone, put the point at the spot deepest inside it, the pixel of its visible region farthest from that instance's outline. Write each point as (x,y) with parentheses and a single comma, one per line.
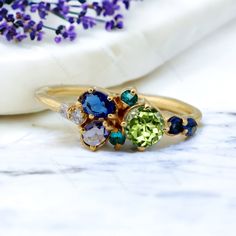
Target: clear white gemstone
(63,110)
(77,117)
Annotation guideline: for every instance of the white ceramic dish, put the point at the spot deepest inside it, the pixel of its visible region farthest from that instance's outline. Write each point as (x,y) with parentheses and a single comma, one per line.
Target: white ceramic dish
(155,32)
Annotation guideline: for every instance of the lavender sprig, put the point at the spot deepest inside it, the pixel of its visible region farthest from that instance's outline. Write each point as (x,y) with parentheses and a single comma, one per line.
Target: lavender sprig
(22,19)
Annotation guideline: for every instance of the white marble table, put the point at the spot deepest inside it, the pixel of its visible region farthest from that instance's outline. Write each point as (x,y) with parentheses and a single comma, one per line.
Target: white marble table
(51,186)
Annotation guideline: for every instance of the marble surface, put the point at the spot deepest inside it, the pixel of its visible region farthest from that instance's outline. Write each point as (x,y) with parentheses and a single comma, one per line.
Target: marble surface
(156,30)
(51,186)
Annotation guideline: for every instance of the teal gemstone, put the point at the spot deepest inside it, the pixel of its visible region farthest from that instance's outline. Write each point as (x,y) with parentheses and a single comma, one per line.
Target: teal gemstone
(129,98)
(117,138)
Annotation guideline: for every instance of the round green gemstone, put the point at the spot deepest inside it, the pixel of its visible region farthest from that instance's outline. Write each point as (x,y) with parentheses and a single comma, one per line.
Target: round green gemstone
(145,126)
(129,98)
(117,138)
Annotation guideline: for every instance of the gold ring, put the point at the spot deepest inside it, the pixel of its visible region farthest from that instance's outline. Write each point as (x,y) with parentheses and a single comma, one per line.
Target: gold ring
(104,115)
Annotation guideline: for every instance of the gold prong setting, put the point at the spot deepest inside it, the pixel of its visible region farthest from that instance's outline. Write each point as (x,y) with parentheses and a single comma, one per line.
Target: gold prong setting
(141,149)
(91,90)
(110,98)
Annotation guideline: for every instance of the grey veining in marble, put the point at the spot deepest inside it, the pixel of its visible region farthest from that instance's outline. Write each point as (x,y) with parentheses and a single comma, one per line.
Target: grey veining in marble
(50,185)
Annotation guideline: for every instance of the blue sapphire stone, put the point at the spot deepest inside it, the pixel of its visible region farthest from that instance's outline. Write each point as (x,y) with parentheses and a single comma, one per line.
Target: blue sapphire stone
(176,126)
(117,138)
(191,127)
(97,104)
(129,98)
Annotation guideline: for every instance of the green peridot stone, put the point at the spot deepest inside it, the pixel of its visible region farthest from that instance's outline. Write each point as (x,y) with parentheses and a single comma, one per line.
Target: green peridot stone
(145,126)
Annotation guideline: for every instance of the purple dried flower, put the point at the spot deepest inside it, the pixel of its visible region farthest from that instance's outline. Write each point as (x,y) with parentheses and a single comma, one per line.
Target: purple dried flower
(18,19)
(110,7)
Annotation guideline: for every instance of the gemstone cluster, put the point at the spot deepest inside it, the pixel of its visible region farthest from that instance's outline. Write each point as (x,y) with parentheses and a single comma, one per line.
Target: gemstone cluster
(104,117)
(97,106)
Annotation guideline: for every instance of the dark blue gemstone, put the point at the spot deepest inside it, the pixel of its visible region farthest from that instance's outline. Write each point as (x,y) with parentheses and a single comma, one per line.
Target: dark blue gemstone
(191,127)
(176,126)
(97,104)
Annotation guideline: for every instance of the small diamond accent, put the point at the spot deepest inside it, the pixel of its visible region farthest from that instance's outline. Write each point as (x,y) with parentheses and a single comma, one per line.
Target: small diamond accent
(63,110)
(77,117)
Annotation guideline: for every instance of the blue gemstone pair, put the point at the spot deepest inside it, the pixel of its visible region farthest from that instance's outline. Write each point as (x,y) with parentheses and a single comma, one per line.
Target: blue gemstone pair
(97,104)
(177,126)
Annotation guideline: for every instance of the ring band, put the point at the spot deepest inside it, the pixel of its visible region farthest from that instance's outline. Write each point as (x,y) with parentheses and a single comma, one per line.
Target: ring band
(104,115)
